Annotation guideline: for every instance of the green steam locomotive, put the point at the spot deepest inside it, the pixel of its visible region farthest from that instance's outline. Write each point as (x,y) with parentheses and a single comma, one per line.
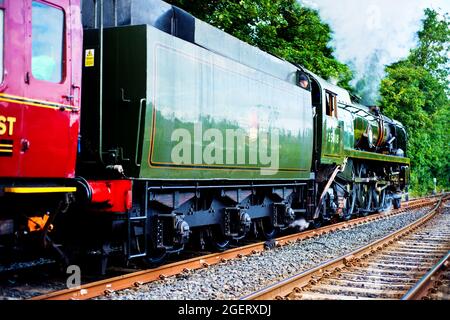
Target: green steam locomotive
(190,137)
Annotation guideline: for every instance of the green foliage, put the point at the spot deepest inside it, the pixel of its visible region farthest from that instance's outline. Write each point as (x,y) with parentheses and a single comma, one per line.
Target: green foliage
(283,28)
(416,92)
(434,46)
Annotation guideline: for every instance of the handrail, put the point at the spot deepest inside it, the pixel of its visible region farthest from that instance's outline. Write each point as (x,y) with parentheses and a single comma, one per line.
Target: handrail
(138,136)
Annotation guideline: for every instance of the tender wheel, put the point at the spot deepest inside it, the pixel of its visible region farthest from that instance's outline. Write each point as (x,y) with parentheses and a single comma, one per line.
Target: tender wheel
(218,240)
(156,258)
(267,229)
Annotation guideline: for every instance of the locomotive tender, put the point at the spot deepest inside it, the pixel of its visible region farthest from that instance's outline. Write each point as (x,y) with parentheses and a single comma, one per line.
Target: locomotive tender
(131,128)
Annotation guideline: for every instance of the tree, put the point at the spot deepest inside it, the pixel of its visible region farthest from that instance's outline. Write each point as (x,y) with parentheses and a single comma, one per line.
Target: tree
(433,50)
(283,28)
(416,92)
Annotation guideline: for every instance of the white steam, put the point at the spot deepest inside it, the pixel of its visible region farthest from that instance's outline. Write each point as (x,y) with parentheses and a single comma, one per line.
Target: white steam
(300,224)
(370,34)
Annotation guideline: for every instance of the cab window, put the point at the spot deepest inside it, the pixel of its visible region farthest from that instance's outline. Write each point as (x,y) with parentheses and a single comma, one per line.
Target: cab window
(303,80)
(47,42)
(331,104)
(2,18)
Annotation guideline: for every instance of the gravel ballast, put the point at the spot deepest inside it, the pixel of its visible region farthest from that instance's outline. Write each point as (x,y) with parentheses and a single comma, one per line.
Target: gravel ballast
(239,277)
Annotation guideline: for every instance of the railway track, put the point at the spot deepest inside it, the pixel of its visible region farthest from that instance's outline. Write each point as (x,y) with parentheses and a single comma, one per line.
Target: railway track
(410,263)
(434,284)
(137,279)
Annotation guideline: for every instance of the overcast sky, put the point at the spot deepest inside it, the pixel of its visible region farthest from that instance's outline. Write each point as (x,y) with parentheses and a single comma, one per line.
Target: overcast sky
(365,27)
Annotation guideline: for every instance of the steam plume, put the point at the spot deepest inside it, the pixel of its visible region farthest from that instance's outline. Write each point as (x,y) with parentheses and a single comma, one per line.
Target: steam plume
(370,34)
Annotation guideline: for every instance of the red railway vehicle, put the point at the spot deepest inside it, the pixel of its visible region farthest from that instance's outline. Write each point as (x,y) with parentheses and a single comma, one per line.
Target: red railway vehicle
(40,94)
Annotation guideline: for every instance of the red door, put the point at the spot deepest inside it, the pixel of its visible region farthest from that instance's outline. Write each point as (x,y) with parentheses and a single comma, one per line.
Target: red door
(12,62)
(51,115)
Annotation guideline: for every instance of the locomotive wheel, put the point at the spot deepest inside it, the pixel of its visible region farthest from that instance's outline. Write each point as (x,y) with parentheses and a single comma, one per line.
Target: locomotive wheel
(364,194)
(317,223)
(384,202)
(324,216)
(388,204)
(366,200)
(350,204)
(378,200)
(397,203)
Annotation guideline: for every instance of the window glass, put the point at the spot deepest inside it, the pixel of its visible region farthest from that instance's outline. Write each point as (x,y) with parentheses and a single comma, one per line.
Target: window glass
(331,104)
(47,42)
(1,44)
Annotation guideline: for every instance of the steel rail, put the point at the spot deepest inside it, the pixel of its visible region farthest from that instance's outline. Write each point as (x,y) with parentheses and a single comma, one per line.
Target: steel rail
(429,282)
(135,279)
(294,284)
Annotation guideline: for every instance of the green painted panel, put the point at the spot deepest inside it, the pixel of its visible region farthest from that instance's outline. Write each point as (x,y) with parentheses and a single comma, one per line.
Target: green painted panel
(348,128)
(332,140)
(209,117)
